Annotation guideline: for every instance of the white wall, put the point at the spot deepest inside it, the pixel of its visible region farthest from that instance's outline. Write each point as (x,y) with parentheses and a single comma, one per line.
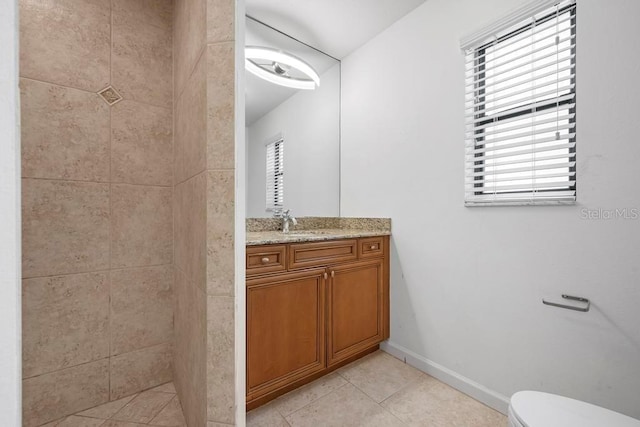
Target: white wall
(10,270)
(309,121)
(467,283)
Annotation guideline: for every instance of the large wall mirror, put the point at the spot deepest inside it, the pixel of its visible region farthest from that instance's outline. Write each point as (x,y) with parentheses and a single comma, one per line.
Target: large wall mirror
(307,122)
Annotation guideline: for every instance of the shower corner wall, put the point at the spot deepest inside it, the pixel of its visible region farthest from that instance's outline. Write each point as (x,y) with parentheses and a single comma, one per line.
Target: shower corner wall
(96,202)
(204,165)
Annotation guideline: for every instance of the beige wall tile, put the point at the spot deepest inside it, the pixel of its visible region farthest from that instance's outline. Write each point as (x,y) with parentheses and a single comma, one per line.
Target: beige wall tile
(220,20)
(140,370)
(141,308)
(141,67)
(220,359)
(65,227)
(141,225)
(154,12)
(65,321)
(220,226)
(141,144)
(190,229)
(190,33)
(51,396)
(191,126)
(190,326)
(65,133)
(220,105)
(66,42)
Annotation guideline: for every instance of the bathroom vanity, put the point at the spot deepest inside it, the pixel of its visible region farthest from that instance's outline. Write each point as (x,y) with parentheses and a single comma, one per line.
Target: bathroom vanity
(316,300)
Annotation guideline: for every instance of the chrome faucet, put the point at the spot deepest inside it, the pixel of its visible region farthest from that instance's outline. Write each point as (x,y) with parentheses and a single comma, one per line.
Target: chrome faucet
(287,219)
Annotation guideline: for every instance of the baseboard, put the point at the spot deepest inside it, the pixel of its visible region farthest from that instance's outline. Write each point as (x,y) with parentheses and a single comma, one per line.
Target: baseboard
(477,391)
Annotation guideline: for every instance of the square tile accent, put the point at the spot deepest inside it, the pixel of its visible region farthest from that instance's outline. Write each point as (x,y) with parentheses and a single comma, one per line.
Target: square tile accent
(110,95)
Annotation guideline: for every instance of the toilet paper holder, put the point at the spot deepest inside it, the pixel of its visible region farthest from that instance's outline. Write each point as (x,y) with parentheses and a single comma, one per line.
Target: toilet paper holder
(570,307)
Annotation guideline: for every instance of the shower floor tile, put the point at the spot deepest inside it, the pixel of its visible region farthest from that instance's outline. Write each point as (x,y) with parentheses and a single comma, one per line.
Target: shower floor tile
(159,406)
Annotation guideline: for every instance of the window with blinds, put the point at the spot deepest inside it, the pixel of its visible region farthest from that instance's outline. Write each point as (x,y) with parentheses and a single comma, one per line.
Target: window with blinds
(520,110)
(275,175)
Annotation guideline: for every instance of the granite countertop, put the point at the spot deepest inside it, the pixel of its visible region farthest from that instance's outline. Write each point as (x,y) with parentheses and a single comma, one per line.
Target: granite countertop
(317,235)
(266,231)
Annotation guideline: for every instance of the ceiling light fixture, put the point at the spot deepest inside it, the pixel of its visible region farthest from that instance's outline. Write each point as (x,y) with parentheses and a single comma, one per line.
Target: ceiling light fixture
(276,66)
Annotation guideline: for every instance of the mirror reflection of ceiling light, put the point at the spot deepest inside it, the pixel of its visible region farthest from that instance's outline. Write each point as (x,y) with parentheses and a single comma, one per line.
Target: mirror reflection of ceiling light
(275,66)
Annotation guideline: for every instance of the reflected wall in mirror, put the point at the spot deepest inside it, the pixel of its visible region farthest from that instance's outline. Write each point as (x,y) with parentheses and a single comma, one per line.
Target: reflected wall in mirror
(308,123)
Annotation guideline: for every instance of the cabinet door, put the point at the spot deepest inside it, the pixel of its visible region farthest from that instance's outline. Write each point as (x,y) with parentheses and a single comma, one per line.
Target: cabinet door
(285,330)
(355,309)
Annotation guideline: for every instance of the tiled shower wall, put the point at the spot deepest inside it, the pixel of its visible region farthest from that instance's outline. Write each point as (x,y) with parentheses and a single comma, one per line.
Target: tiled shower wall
(204,88)
(97,202)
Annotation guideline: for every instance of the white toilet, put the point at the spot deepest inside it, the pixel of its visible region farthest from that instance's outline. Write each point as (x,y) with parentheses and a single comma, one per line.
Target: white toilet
(538,409)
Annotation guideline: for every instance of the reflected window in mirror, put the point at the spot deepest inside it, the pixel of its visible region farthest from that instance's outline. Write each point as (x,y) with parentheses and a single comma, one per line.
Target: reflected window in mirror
(275,174)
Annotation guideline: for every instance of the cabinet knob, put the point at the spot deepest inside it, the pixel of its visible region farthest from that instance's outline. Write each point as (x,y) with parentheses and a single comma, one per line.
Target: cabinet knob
(373,247)
(333,273)
(265,260)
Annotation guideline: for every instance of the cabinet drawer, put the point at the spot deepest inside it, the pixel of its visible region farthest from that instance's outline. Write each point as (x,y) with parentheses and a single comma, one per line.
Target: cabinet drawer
(266,259)
(371,247)
(305,255)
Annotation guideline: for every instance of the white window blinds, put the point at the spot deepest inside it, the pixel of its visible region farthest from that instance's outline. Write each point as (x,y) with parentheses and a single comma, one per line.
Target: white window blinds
(520,114)
(275,174)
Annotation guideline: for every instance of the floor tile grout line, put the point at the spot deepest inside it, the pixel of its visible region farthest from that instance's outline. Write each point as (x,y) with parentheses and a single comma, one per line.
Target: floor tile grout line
(313,401)
(175,396)
(404,387)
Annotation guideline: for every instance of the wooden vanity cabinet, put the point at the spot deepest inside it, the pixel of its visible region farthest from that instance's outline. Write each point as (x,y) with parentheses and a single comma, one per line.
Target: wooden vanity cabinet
(286,329)
(354,309)
(327,308)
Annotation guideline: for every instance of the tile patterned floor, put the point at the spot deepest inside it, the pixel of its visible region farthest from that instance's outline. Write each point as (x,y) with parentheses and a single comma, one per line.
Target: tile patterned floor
(377,390)
(156,407)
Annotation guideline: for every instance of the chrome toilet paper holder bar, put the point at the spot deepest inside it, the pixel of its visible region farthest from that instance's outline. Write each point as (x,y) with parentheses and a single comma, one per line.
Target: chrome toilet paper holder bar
(570,307)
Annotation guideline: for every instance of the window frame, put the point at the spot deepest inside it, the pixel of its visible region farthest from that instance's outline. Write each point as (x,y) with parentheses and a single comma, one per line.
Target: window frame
(277,179)
(479,86)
